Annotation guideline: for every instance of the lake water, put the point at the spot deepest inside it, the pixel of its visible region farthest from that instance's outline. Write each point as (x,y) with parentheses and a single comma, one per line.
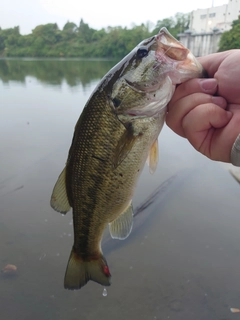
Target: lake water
(182,260)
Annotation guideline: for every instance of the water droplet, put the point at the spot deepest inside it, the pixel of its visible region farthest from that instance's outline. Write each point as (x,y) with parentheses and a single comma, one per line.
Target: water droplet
(42,256)
(104,292)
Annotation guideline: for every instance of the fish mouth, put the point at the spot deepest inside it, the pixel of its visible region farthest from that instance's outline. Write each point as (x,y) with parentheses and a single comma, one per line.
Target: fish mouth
(171,51)
(170,46)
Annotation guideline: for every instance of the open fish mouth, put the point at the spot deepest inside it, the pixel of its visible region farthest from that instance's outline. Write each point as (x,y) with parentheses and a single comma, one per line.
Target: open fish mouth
(171,52)
(170,47)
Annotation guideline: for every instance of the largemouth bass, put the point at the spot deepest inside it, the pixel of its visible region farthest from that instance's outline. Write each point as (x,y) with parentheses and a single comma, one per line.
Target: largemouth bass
(115,134)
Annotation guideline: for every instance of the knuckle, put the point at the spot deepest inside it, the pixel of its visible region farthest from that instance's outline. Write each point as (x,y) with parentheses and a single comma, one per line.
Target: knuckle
(201,98)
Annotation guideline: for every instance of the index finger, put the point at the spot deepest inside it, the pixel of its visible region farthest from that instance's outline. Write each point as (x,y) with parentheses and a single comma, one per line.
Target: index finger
(212,61)
(189,87)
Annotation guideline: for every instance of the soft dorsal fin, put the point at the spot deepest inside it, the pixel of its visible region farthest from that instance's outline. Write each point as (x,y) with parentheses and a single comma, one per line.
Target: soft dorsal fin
(122,226)
(59,200)
(152,159)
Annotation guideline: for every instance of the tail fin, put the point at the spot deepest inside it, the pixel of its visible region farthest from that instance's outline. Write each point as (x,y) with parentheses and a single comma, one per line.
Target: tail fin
(80,271)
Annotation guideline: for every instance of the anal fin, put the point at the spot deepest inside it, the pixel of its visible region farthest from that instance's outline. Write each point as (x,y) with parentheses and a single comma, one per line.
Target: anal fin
(121,227)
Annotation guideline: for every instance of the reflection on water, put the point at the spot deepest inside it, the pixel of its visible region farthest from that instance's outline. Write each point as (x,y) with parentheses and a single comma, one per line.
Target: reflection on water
(181,260)
(50,71)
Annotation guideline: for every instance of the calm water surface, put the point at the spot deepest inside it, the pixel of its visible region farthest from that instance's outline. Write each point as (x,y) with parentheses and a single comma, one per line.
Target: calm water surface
(182,260)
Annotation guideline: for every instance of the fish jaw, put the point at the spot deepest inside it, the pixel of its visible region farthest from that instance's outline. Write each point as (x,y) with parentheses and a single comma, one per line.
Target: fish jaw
(182,63)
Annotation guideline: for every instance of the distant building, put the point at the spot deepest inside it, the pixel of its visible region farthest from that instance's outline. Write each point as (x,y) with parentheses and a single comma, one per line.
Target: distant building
(201,44)
(207,25)
(210,19)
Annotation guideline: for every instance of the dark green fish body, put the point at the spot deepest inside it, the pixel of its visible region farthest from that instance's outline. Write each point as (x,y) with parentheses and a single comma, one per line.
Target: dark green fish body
(115,134)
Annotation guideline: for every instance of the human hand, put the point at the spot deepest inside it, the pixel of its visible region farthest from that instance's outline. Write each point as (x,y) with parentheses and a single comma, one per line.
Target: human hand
(207,111)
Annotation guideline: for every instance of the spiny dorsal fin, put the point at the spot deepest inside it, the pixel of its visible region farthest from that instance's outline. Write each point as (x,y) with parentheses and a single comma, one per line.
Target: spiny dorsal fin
(121,227)
(152,159)
(59,199)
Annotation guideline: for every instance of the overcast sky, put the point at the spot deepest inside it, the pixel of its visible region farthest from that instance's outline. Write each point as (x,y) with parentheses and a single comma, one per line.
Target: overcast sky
(27,14)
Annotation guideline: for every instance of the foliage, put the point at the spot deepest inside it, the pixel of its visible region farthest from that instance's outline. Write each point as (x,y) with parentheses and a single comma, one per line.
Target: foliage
(175,25)
(82,41)
(231,39)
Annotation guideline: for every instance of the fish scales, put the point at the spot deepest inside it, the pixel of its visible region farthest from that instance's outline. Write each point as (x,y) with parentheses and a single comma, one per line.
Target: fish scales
(101,187)
(114,136)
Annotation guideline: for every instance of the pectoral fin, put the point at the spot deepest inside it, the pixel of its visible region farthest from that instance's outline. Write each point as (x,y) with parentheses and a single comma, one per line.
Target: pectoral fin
(122,226)
(152,159)
(124,146)
(59,200)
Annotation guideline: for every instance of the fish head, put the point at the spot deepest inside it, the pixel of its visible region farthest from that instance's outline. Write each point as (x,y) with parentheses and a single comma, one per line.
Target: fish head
(149,74)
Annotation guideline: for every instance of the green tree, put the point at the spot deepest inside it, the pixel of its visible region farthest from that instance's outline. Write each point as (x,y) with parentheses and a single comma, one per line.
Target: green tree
(9,40)
(69,31)
(98,34)
(85,32)
(167,22)
(175,25)
(231,39)
(82,41)
(48,32)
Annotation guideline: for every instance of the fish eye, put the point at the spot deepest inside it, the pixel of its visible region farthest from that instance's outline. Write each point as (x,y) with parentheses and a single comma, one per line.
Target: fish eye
(142,52)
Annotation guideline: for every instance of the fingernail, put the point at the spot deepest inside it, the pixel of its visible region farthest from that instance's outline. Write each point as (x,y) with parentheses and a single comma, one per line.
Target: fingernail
(221,102)
(208,84)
